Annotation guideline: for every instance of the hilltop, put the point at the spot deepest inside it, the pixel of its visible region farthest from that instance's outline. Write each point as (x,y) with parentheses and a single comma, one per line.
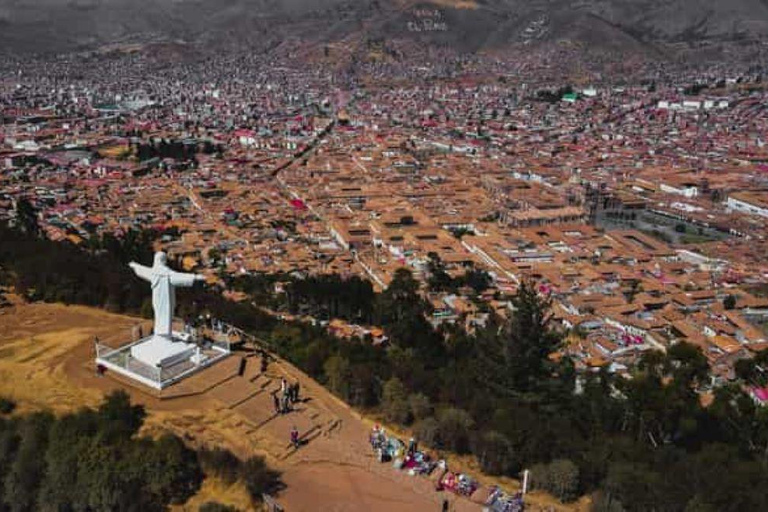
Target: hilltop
(46,365)
(465,25)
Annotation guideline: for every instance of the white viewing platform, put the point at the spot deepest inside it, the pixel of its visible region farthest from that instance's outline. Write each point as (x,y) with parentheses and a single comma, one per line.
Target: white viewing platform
(159,361)
(166,356)
(162,352)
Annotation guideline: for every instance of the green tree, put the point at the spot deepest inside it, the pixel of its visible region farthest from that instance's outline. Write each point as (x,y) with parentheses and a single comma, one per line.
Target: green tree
(687,365)
(697,504)
(564,479)
(420,406)
(403,312)
(752,371)
(530,340)
(494,452)
(636,486)
(69,436)
(169,470)
(215,255)
(9,444)
(427,431)
(28,468)
(477,279)
(454,429)
(394,402)
(603,502)
(26,215)
(439,280)
(220,463)
(400,302)
(337,374)
(259,478)
(118,417)
(7,405)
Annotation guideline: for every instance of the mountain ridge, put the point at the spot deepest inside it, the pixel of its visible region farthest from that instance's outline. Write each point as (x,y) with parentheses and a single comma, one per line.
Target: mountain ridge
(466,25)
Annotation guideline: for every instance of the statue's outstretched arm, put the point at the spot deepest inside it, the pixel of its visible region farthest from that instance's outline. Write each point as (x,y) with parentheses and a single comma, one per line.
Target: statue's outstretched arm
(141,271)
(182,279)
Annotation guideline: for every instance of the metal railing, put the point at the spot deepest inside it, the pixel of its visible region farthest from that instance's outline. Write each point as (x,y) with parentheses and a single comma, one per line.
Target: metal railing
(214,343)
(120,359)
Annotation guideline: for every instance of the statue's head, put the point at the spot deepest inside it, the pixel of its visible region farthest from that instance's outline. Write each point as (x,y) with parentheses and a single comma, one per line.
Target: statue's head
(160,258)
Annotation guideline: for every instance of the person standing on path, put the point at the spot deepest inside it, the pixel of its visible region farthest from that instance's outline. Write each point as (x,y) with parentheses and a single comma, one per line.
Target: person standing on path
(285,404)
(412,447)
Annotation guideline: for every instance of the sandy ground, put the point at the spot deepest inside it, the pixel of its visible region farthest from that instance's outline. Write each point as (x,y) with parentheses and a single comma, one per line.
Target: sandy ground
(46,353)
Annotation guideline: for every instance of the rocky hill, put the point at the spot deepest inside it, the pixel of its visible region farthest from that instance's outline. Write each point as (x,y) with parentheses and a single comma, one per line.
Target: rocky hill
(467,25)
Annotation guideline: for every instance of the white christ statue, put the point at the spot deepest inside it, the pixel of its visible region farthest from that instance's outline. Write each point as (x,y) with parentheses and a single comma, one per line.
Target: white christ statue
(164,282)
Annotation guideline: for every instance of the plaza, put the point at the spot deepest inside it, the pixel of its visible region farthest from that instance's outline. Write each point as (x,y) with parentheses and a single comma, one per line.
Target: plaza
(158,364)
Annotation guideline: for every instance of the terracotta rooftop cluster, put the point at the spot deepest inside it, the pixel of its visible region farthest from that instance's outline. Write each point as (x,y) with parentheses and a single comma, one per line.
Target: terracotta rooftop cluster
(641,210)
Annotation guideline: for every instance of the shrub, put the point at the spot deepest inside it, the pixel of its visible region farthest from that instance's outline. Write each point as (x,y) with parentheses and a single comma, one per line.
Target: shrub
(254,473)
(697,504)
(7,405)
(337,374)
(494,452)
(92,460)
(171,470)
(426,431)
(212,506)
(420,406)
(220,463)
(454,427)
(259,478)
(603,502)
(394,402)
(560,478)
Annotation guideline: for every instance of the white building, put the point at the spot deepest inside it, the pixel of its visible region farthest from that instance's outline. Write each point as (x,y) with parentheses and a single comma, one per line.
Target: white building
(691,105)
(749,203)
(686,190)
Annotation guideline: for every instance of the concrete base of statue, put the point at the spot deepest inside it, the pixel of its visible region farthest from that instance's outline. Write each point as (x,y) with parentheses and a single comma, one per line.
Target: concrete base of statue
(165,351)
(160,361)
(167,356)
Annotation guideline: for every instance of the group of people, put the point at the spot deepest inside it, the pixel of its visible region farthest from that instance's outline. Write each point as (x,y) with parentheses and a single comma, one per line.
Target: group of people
(286,396)
(408,457)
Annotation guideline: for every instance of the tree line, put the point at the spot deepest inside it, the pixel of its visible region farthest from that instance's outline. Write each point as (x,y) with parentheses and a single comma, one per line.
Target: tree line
(41,269)
(352,298)
(95,460)
(96,272)
(175,149)
(499,394)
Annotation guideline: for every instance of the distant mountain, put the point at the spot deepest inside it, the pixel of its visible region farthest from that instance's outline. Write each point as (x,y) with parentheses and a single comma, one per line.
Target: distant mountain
(621,25)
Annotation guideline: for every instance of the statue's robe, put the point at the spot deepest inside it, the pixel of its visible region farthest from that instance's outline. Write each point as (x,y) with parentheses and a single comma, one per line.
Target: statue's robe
(164,281)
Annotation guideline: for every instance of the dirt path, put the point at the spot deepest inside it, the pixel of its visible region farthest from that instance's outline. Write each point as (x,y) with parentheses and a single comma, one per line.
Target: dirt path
(46,353)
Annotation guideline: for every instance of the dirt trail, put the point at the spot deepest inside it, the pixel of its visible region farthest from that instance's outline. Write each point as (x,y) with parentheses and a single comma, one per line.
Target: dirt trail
(46,353)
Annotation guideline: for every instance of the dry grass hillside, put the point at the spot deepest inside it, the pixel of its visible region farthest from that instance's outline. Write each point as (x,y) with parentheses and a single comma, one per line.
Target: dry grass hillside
(46,353)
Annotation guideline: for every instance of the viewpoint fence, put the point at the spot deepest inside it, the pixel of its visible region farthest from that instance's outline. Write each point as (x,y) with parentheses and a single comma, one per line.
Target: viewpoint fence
(213,344)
